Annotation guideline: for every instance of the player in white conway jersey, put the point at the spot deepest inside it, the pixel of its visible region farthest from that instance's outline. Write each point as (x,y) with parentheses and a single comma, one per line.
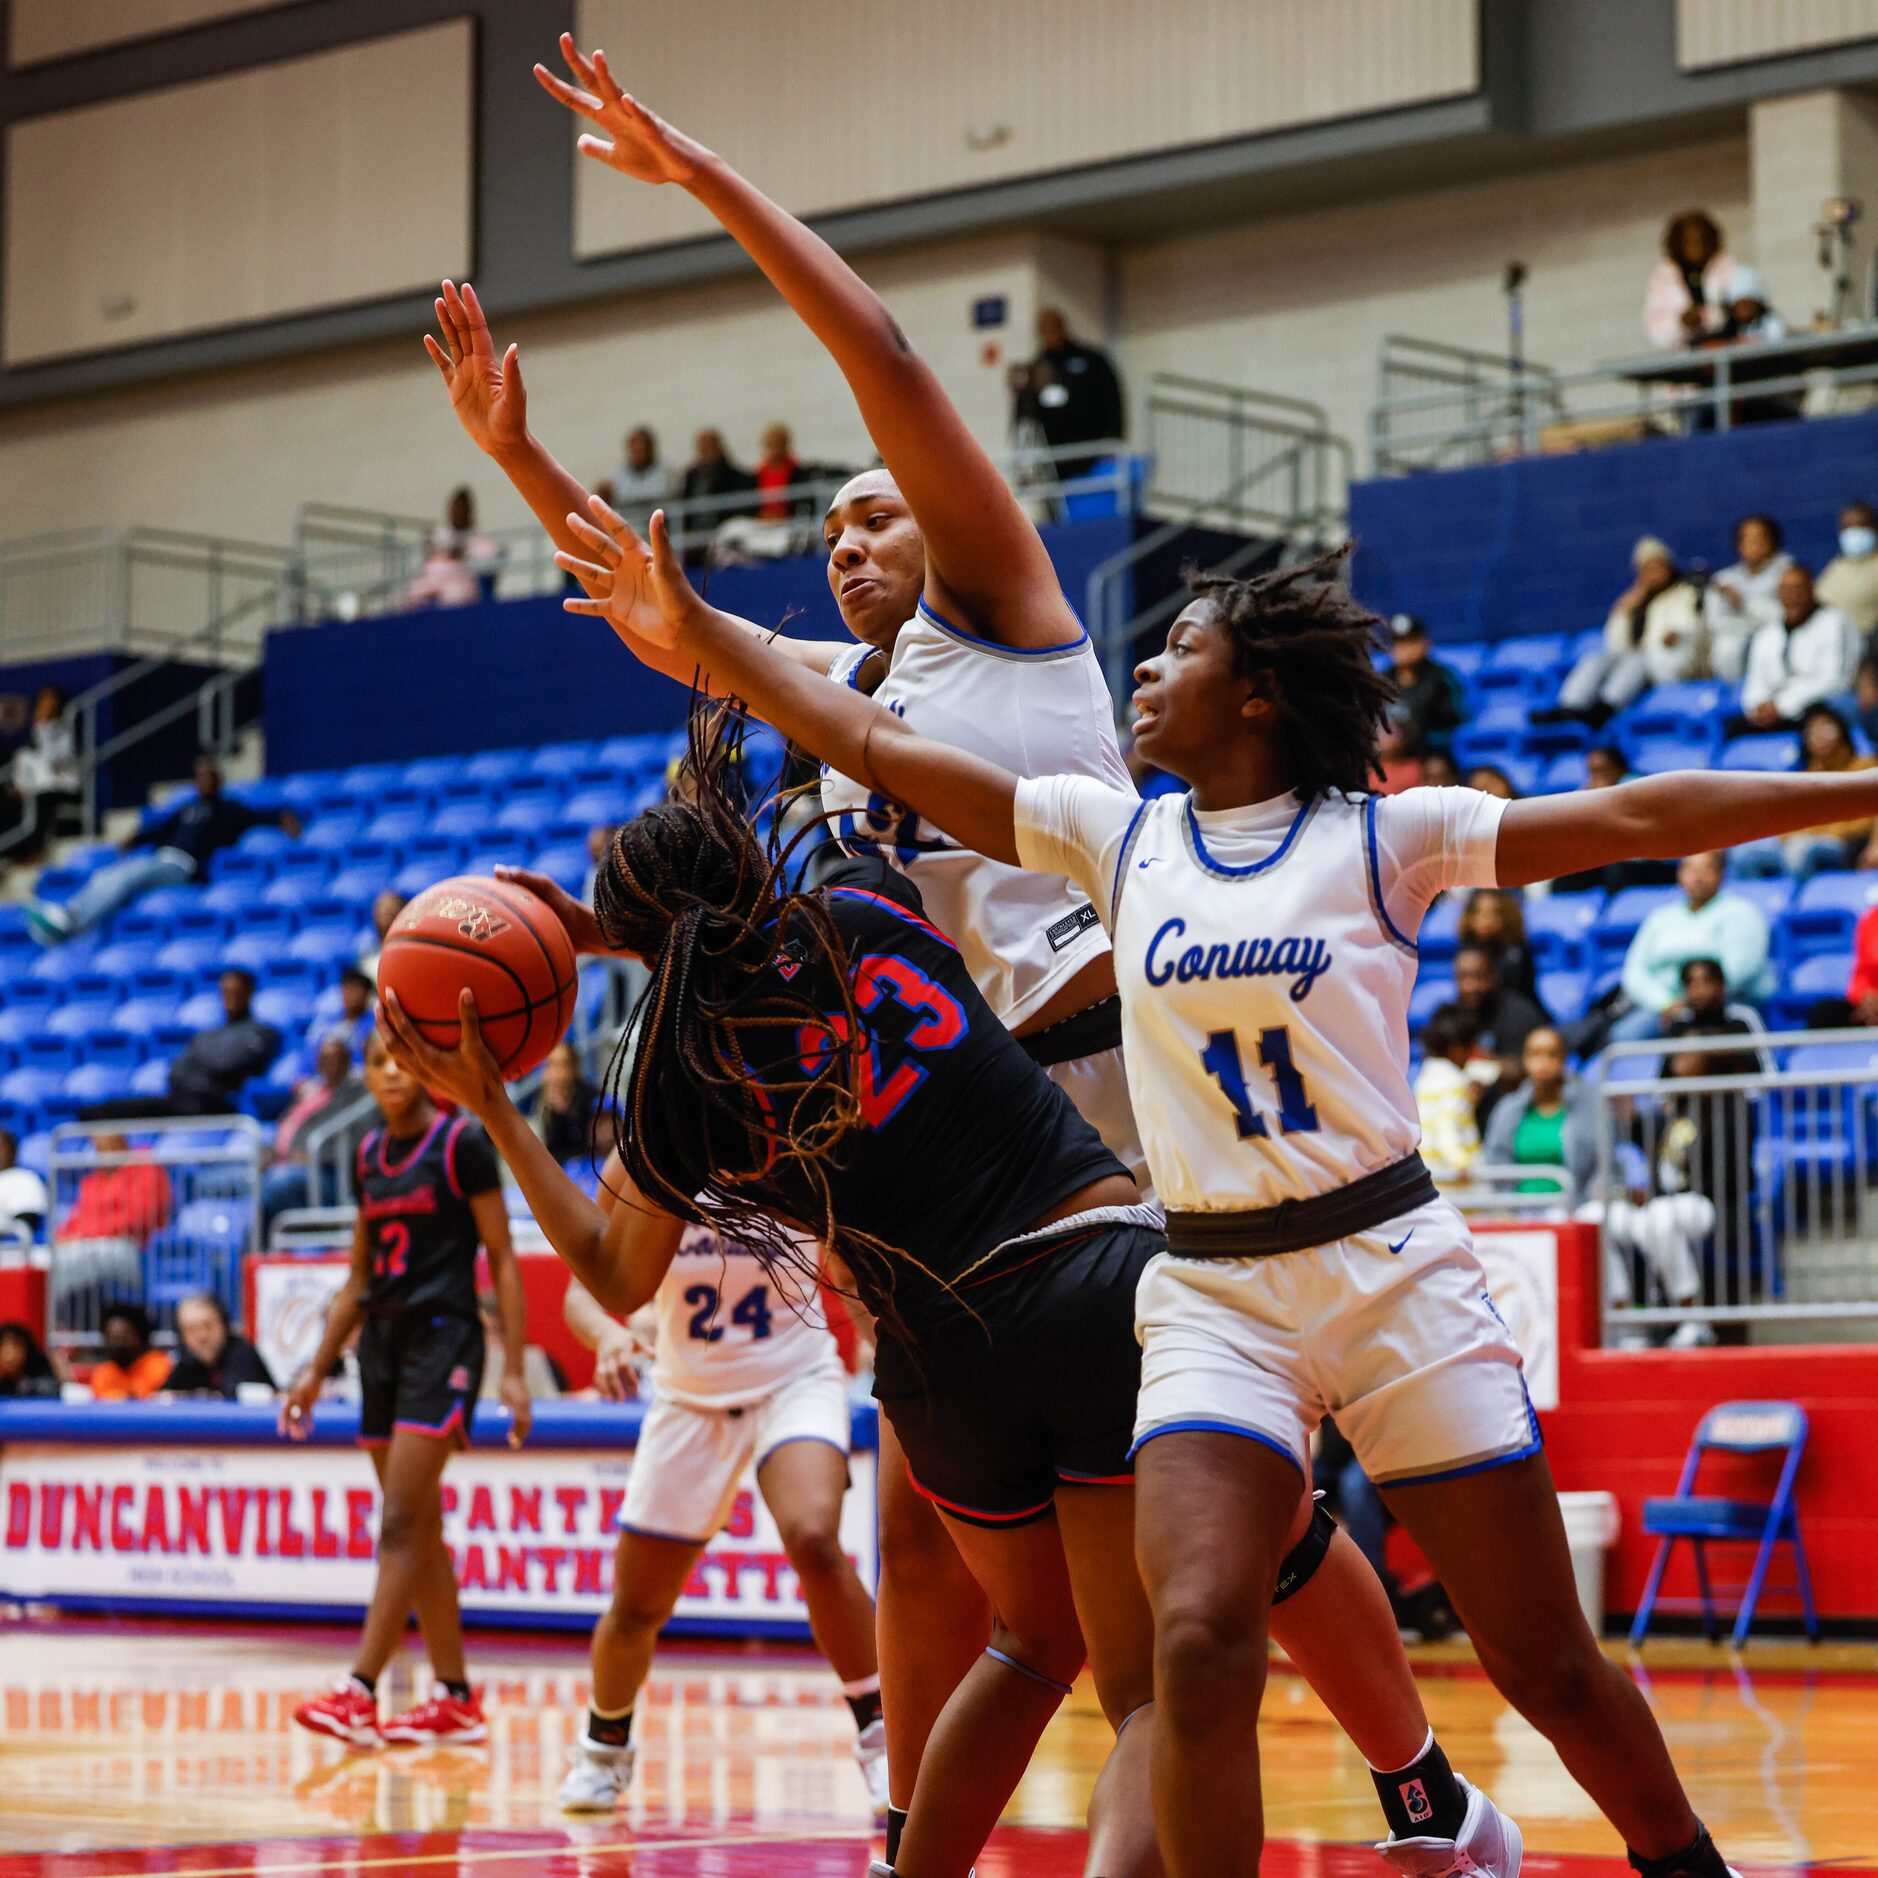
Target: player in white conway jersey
(1265,927)
(745,1376)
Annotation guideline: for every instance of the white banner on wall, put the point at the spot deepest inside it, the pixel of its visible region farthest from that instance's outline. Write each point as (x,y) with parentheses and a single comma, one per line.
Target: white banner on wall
(532,1534)
(1522,1274)
(288,1302)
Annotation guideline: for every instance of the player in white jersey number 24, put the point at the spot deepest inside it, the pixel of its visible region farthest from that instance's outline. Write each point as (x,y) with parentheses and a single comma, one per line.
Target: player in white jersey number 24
(1264,928)
(745,1374)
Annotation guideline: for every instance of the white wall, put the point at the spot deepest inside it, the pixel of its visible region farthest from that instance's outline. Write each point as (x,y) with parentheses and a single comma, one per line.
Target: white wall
(1297,303)
(1726,32)
(236,453)
(54,29)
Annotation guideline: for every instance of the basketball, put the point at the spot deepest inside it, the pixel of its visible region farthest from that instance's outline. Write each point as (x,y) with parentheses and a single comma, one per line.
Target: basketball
(500,942)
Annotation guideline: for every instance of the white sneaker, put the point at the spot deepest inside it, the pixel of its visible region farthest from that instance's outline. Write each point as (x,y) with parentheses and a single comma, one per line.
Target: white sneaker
(1489,1845)
(871,1752)
(597,1777)
(1696,1335)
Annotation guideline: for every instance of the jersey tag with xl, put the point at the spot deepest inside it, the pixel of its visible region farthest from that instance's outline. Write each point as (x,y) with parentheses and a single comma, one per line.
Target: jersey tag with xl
(1070,927)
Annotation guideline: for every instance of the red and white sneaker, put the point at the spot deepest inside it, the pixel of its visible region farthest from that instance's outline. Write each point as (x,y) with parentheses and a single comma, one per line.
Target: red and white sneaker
(347,1712)
(442,1718)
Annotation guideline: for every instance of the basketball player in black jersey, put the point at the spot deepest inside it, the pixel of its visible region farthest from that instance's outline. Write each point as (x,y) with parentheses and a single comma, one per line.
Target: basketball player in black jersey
(430,1194)
(822,1060)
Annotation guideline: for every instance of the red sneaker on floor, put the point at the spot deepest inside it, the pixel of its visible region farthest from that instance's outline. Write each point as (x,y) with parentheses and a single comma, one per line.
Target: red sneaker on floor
(346,1712)
(442,1718)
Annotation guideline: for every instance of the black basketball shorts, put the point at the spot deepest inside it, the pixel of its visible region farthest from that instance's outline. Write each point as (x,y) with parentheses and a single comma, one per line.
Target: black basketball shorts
(994,1414)
(420,1373)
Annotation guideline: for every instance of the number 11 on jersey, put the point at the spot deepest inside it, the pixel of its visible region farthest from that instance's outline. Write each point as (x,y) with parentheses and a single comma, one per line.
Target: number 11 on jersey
(1226,1066)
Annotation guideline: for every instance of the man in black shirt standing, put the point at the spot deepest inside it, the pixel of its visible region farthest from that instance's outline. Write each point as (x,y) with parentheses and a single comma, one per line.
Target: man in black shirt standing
(180,846)
(1427,708)
(207,1078)
(1074,392)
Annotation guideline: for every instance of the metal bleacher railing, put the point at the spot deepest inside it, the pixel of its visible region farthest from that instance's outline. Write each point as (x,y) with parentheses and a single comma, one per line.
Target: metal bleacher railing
(1779,1135)
(1441,406)
(183,1228)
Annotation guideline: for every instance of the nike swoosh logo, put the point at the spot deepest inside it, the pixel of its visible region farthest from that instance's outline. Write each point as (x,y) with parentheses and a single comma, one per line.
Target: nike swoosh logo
(1149,862)
(1400,1243)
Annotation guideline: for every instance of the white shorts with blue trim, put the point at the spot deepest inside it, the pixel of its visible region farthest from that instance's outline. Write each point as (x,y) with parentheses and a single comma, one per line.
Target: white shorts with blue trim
(1391,1331)
(691,1461)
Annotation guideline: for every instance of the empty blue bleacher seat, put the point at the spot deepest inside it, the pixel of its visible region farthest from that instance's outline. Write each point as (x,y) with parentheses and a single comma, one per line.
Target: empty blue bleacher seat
(1824,913)
(562,759)
(62,965)
(202,1011)
(523,816)
(1558,928)
(28,1088)
(1564,774)
(1431,991)
(1531,666)
(267,918)
(636,756)
(1616,924)
(363,781)
(152,1079)
(254,951)
(358,885)
(265,840)
(495,768)
(324,945)
(465,819)
(35,994)
(597,807)
(566,865)
(74,1021)
(229,898)
(442,854)
(252,869)
(140,1017)
(332,833)
(307,868)
(18,1022)
(1464,659)
(1764,749)
(1672,709)
(395,826)
(189,955)
(1822,975)
(287,1007)
(97,1081)
(1565,995)
(1657,756)
(436,775)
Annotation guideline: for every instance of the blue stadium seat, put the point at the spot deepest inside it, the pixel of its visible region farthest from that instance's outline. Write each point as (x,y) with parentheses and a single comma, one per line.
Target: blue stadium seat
(230,898)
(1463,660)
(254,951)
(464,820)
(33,994)
(1565,995)
(202,1011)
(259,792)
(435,775)
(48,1050)
(1579,644)
(29,1088)
(1824,914)
(141,1017)
(1617,923)
(17,1023)
(266,917)
(1765,749)
(567,865)
(1674,710)
(1656,756)
(1560,743)
(1558,928)
(415,876)
(1773,895)
(325,946)
(62,965)
(636,755)
(1819,975)
(309,870)
(97,1082)
(359,883)
(404,795)
(75,1021)
(523,815)
(308,786)
(442,854)
(363,781)
(153,1079)
(286,1007)
(562,759)
(35,1151)
(396,826)
(189,955)
(1431,990)
(253,870)
(265,840)
(158,981)
(1440,928)
(308,974)
(1530,666)
(331,833)
(509,850)
(198,922)
(160,906)
(495,768)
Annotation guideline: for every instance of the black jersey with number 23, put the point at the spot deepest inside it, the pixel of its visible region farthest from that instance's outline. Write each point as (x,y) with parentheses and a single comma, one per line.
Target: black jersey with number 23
(414,1196)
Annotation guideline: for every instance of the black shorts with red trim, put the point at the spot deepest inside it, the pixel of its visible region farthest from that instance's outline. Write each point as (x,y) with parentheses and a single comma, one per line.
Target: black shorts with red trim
(996,1411)
(418,1372)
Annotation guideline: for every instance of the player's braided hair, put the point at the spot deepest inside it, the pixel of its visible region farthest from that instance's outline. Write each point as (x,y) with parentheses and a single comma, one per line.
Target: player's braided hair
(743,969)
(1300,634)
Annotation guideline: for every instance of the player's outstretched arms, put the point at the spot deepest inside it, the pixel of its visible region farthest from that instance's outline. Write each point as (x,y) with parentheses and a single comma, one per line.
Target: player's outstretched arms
(971,799)
(983,557)
(621,1259)
(1665,817)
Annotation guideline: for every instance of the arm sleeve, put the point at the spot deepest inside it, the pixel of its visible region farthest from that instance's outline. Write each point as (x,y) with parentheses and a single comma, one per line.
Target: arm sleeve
(1076,827)
(1424,841)
(474,1163)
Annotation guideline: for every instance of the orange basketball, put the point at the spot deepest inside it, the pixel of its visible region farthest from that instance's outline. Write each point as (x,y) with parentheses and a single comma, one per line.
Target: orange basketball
(501,943)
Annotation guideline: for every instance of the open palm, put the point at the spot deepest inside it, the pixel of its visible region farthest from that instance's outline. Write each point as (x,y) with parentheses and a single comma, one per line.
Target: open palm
(637,142)
(621,581)
(485,392)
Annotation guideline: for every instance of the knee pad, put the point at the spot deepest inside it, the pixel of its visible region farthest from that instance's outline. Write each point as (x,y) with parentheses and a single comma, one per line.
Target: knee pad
(1299,1566)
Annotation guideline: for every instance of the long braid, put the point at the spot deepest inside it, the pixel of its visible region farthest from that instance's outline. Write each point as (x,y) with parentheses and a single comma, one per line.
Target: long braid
(1300,632)
(738,959)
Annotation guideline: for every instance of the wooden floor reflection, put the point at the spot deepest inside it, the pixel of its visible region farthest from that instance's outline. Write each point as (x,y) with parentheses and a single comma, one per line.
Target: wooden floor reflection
(128,1748)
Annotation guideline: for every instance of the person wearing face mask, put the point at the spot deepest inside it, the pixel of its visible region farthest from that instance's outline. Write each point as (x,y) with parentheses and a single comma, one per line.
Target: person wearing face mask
(1849,580)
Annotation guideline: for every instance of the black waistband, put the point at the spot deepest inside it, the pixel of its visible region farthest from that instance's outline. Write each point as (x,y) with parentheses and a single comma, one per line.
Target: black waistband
(1296,1225)
(1087,1032)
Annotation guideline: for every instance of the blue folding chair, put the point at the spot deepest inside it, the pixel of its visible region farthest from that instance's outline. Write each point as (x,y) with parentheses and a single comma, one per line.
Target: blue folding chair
(1733,1428)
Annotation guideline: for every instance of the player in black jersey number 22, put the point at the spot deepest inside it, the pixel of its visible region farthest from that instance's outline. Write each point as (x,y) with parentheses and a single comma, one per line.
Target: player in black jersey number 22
(430,1194)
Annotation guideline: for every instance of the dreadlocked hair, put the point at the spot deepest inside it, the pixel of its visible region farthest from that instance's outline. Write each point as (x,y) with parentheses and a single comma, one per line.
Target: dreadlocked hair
(1310,645)
(743,970)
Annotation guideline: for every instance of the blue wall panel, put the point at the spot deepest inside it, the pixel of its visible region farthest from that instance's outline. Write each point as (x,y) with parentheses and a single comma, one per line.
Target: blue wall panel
(1543,544)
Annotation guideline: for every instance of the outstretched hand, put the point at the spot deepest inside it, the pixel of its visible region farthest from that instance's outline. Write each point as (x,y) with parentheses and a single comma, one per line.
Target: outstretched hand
(467,1075)
(576,916)
(637,143)
(485,392)
(639,590)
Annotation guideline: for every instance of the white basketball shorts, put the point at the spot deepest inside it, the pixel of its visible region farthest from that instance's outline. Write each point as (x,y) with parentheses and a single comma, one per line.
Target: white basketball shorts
(690,1462)
(1391,1331)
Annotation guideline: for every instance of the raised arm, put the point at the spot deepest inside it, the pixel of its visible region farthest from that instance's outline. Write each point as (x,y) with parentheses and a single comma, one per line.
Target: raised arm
(619,1259)
(491,403)
(1665,817)
(983,557)
(971,799)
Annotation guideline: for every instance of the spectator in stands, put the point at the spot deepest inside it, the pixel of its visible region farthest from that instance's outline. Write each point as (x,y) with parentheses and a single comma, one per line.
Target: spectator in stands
(387,904)
(1849,580)
(1549,1121)
(1825,745)
(1398,770)
(545,1377)
(287,1180)
(215,1360)
(773,531)
(777,471)
(24,1202)
(568,1111)
(1503,1020)
(1428,703)
(458,536)
(1495,921)
(1744,596)
(1808,656)
(443,580)
(181,847)
(1652,636)
(98,1245)
(1075,393)
(710,475)
(1705,924)
(1446,1096)
(355,1019)
(25,1369)
(1605,768)
(642,483)
(207,1077)
(1705,1008)
(131,1369)
(43,778)
(1492,780)
(1440,771)
(1693,287)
